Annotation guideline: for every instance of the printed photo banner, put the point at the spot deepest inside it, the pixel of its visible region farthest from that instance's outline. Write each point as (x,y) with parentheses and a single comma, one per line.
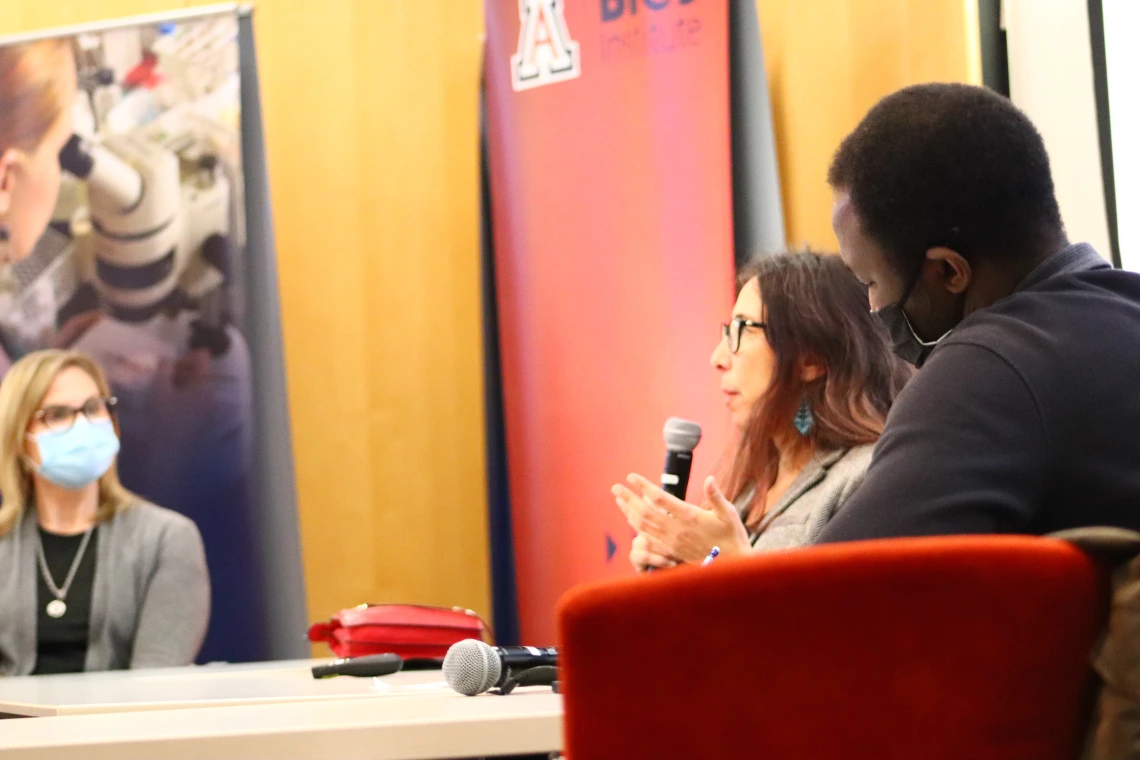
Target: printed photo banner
(142,267)
(611,203)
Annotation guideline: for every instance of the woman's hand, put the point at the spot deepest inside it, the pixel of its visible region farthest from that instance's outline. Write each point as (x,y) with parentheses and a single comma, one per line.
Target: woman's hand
(677,529)
(642,557)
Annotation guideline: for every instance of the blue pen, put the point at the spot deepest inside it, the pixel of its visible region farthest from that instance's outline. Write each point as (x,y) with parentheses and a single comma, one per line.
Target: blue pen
(712,555)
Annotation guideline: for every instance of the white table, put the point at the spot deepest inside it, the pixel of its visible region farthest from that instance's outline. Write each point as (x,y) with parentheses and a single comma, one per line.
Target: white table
(373,729)
(271,710)
(197,686)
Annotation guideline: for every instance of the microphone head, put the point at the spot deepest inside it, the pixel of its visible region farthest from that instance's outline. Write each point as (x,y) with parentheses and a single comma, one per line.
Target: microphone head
(472,667)
(681,435)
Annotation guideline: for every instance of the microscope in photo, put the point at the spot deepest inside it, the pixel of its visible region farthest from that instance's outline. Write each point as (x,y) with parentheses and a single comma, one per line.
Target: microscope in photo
(160,226)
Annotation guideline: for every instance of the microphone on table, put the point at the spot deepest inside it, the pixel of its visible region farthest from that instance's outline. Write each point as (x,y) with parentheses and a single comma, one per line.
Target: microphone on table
(372,665)
(472,667)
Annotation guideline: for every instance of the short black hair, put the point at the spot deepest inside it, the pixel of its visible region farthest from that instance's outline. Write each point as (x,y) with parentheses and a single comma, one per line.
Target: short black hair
(953,165)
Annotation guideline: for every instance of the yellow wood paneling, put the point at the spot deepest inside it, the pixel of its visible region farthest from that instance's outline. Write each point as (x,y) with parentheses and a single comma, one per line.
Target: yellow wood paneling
(829,61)
(371,120)
(371,112)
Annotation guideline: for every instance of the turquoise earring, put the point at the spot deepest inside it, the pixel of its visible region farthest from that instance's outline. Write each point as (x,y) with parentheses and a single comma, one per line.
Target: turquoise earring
(804,420)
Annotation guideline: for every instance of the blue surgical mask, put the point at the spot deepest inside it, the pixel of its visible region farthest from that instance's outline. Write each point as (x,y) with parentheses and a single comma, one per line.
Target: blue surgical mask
(79,456)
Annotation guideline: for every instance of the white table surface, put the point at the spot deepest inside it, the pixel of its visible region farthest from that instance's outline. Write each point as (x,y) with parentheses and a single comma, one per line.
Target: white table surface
(267,710)
(379,728)
(198,686)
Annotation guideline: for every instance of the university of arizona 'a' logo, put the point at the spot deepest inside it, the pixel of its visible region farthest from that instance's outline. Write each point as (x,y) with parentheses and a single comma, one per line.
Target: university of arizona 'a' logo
(546,53)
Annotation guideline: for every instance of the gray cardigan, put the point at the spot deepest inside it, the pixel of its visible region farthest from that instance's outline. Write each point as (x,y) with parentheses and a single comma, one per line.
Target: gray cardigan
(812,499)
(150,603)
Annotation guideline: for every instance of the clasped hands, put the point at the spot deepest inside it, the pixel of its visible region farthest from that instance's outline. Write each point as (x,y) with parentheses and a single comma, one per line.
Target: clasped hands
(671,531)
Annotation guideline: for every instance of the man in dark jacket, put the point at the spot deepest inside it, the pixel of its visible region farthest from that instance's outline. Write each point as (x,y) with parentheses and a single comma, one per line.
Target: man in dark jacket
(1025,414)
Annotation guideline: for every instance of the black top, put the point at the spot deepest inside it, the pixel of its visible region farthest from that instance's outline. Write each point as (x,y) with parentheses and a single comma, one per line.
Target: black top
(1025,419)
(61,643)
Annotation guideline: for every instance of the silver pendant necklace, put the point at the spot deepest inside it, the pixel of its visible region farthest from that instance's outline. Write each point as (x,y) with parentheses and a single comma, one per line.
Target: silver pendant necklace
(57,607)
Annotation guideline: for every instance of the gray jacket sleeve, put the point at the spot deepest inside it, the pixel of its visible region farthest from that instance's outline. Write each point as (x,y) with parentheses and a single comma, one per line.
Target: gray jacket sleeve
(176,607)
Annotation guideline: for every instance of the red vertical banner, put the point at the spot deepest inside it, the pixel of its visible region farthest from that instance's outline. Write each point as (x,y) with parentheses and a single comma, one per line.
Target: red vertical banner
(609,149)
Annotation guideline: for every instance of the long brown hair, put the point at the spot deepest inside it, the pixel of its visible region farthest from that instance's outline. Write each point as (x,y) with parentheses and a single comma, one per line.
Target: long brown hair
(816,312)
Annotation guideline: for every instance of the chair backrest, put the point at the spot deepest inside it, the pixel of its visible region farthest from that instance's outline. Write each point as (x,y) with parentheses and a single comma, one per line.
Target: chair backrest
(935,648)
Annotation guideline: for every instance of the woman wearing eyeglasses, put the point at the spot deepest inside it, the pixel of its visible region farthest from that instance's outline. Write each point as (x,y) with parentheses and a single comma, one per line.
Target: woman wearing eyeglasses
(808,376)
(91,576)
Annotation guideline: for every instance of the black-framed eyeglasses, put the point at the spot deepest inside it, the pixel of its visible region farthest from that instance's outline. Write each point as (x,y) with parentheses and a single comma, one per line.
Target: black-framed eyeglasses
(731,331)
(62,417)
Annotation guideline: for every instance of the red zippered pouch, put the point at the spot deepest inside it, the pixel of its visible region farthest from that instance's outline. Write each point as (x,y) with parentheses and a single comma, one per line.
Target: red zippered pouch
(409,630)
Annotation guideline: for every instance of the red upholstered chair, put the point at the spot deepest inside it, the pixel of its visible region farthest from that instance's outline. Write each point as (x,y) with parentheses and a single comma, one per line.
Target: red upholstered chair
(965,648)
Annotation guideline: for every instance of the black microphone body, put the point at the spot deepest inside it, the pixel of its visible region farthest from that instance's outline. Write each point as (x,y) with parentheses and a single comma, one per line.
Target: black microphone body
(675,478)
(519,658)
(368,666)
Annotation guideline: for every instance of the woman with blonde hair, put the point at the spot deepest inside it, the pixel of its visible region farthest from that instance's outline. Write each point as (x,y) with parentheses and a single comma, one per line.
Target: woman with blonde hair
(91,576)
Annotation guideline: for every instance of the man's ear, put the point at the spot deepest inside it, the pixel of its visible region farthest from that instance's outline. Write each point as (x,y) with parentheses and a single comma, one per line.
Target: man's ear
(9,159)
(954,271)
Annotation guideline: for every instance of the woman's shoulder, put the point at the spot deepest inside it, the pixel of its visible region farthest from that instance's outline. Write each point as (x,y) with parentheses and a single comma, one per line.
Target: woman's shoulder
(855,460)
(844,471)
(848,471)
(142,517)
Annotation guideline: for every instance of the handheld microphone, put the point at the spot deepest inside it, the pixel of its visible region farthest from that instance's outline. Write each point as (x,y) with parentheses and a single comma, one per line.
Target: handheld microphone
(681,437)
(368,666)
(472,667)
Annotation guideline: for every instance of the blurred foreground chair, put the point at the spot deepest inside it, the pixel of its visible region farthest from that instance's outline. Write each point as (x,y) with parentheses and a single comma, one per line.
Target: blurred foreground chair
(948,648)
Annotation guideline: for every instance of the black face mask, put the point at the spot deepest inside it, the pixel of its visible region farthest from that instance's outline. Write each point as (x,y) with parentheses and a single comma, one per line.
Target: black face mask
(904,341)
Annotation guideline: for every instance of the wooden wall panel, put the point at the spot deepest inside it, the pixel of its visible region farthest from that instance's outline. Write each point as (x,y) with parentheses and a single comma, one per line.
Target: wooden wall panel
(829,61)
